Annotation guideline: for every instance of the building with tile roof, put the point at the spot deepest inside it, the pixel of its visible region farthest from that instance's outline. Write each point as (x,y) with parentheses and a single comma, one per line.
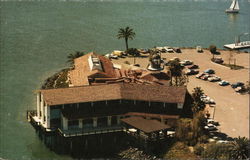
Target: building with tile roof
(103,99)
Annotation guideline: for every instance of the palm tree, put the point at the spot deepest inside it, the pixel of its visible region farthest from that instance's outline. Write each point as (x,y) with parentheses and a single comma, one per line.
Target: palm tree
(175,70)
(126,33)
(72,56)
(240,148)
(213,49)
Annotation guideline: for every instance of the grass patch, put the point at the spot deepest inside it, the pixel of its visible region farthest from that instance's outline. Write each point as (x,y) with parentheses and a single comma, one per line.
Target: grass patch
(61,81)
(58,80)
(232,66)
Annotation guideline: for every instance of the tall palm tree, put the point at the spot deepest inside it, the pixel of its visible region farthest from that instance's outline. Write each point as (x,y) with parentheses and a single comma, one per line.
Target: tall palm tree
(240,148)
(175,70)
(126,33)
(73,56)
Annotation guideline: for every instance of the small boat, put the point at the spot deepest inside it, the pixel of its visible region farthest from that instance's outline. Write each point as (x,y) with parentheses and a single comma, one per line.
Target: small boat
(234,8)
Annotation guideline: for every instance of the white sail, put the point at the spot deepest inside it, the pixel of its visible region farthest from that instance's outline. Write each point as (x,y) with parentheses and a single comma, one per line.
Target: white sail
(236,7)
(233,4)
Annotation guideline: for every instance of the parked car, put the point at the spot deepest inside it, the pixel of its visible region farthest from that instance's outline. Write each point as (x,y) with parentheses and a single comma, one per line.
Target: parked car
(186,62)
(223,83)
(192,72)
(209,71)
(240,89)
(199,49)
(222,141)
(193,66)
(168,49)
(211,121)
(205,77)
(174,59)
(214,79)
(237,84)
(218,60)
(113,56)
(200,75)
(144,51)
(208,100)
(210,127)
(177,50)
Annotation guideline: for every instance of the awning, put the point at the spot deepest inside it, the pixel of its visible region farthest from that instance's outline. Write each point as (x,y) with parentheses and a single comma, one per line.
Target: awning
(145,125)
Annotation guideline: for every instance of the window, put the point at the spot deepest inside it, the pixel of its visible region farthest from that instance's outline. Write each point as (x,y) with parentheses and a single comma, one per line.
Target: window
(73,123)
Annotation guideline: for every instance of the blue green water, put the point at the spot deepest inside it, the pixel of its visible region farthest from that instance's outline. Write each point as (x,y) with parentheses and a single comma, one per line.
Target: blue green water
(36,37)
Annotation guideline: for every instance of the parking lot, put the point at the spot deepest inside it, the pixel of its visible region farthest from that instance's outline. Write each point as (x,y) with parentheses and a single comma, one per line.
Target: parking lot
(232,109)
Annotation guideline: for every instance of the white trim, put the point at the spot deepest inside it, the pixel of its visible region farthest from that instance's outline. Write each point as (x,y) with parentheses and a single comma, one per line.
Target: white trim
(109,120)
(64,123)
(42,108)
(47,116)
(180,105)
(95,122)
(80,123)
(38,103)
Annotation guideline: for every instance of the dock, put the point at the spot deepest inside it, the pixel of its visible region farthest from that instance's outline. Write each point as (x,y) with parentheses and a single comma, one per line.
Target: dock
(240,45)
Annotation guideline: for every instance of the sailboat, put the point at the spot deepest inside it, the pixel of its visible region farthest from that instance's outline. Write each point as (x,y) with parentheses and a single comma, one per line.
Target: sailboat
(234,8)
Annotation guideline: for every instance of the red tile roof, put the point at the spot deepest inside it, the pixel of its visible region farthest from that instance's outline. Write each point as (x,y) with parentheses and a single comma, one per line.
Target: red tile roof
(129,91)
(79,75)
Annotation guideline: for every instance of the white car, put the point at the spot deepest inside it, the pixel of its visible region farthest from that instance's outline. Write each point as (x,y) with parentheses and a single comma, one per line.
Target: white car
(222,141)
(199,49)
(213,79)
(210,127)
(169,49)
(113,56)
(208,100)
(186,62)
(223,83)
(211,121)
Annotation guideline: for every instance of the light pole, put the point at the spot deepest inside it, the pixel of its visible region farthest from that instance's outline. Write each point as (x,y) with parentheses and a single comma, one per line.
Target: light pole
(237,39)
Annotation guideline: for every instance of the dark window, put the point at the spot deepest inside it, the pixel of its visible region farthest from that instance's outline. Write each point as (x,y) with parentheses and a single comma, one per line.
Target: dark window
(87,123)
(103,121)
(113,120)
(73,123)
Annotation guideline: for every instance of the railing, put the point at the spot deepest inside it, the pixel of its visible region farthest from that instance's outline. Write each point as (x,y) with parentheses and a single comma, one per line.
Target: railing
(90,131)
(30,114)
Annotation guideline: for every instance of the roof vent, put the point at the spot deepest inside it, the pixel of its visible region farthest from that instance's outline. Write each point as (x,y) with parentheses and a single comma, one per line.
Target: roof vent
(95,63)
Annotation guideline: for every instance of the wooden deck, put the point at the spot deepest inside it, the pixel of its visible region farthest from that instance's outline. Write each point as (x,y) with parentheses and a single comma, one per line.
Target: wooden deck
(241,45)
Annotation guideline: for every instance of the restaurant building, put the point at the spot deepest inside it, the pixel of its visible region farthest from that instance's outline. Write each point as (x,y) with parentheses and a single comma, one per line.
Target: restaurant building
(102,100)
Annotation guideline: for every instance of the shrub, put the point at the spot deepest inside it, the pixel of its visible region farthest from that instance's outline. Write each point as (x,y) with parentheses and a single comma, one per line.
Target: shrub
(127,62)
(198,149)
(203,139)
(217,151)
(212,49)
(133,52)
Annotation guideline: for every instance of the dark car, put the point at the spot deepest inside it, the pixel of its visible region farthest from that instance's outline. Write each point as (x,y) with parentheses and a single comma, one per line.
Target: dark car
(193,67)
(192,72)
(137,65)
(218,60)
(177,50)
(209,71)
(237,84)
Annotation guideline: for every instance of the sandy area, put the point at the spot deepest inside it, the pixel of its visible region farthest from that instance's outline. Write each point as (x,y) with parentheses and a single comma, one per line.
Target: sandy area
(232,109)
